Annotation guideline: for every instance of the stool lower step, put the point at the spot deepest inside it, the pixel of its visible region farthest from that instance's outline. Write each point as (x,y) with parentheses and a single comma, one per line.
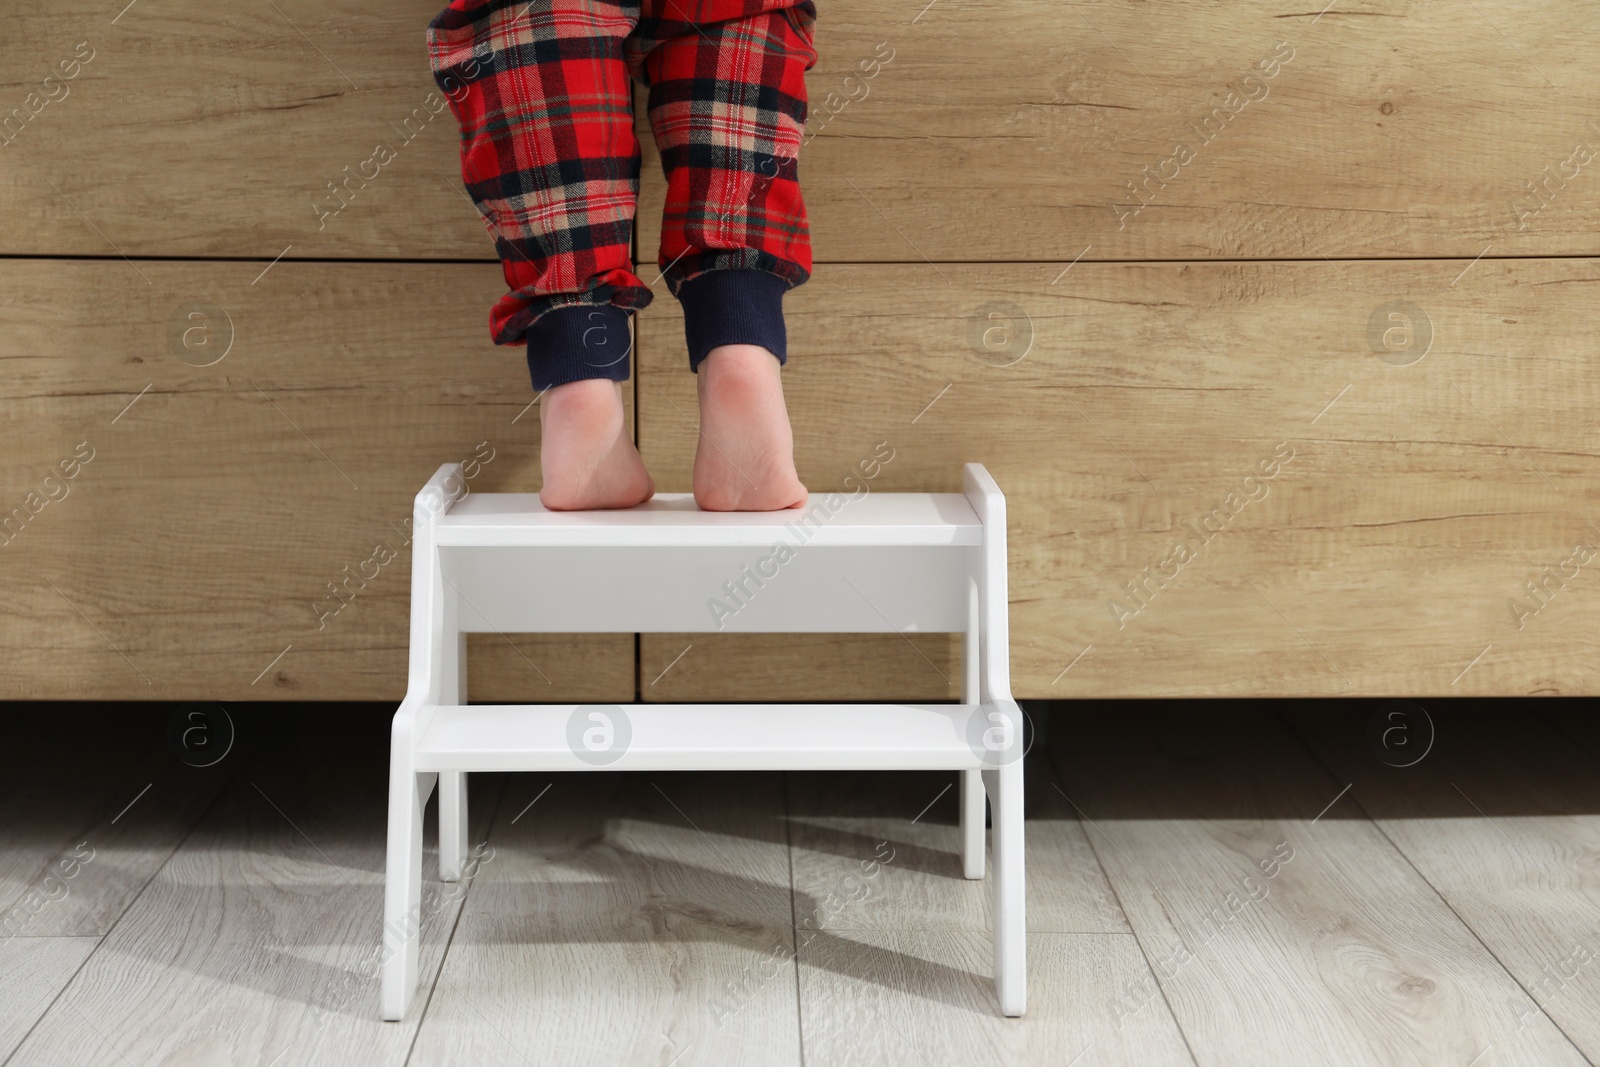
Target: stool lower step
(664,737)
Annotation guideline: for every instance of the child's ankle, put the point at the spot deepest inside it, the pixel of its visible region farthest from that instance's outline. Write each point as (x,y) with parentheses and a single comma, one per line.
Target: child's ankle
(583,390)
(586,395)
(736,357)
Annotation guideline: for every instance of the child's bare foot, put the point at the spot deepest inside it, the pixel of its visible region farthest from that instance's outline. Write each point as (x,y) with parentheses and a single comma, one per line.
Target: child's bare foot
(745,459)
(587,457)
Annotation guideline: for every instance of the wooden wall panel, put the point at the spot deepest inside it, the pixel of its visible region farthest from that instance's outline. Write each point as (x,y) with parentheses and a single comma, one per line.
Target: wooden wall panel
(1007,130)
(753,667)
(971,170)
(1118,403)
(999,130)
(190,556)
(204,129)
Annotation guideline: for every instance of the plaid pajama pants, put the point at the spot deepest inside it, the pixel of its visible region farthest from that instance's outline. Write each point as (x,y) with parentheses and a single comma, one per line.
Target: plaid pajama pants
(542,93)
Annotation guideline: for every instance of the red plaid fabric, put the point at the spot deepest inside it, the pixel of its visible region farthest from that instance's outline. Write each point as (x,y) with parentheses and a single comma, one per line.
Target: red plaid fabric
(541,91)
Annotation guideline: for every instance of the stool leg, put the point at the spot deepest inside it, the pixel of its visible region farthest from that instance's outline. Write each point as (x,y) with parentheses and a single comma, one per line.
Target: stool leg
(452,784)
(452,824)
(973,802)
(402,889)
(972,793)
(1010,926)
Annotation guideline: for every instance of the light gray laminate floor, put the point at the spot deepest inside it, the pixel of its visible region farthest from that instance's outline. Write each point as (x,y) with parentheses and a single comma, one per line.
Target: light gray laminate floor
(1211,884)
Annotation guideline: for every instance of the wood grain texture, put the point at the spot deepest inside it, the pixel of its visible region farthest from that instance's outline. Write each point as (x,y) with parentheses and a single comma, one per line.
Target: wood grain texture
(897,997)
(994,132)
(760,667)
(32,971)
(1011,131)
(642,917)
(1278,932)
(903,828)
(240,531)
(198,130)
(1118,405)
(256,938)
(626,918)
(78,846)
(1502,818)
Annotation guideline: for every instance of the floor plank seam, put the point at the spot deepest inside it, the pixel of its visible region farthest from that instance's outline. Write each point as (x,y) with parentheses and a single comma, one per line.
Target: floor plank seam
(1144,954)
(107,932)
(1377,825)
(461,909)
(51,1006)
(794,926)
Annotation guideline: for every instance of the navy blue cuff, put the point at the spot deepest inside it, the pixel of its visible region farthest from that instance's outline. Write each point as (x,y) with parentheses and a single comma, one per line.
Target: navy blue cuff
(733,306)
(578,341)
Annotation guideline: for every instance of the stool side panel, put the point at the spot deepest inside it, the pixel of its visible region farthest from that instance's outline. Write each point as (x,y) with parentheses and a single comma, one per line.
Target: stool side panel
(994,646)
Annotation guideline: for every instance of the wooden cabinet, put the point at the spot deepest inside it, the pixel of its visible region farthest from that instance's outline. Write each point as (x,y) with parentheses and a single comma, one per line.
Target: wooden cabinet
(1129,257)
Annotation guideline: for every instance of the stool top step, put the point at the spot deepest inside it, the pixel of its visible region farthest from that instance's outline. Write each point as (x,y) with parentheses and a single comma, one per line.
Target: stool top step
(674,520)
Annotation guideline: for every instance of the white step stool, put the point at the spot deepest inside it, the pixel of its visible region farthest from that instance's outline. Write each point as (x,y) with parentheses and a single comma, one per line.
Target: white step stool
(877,563)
